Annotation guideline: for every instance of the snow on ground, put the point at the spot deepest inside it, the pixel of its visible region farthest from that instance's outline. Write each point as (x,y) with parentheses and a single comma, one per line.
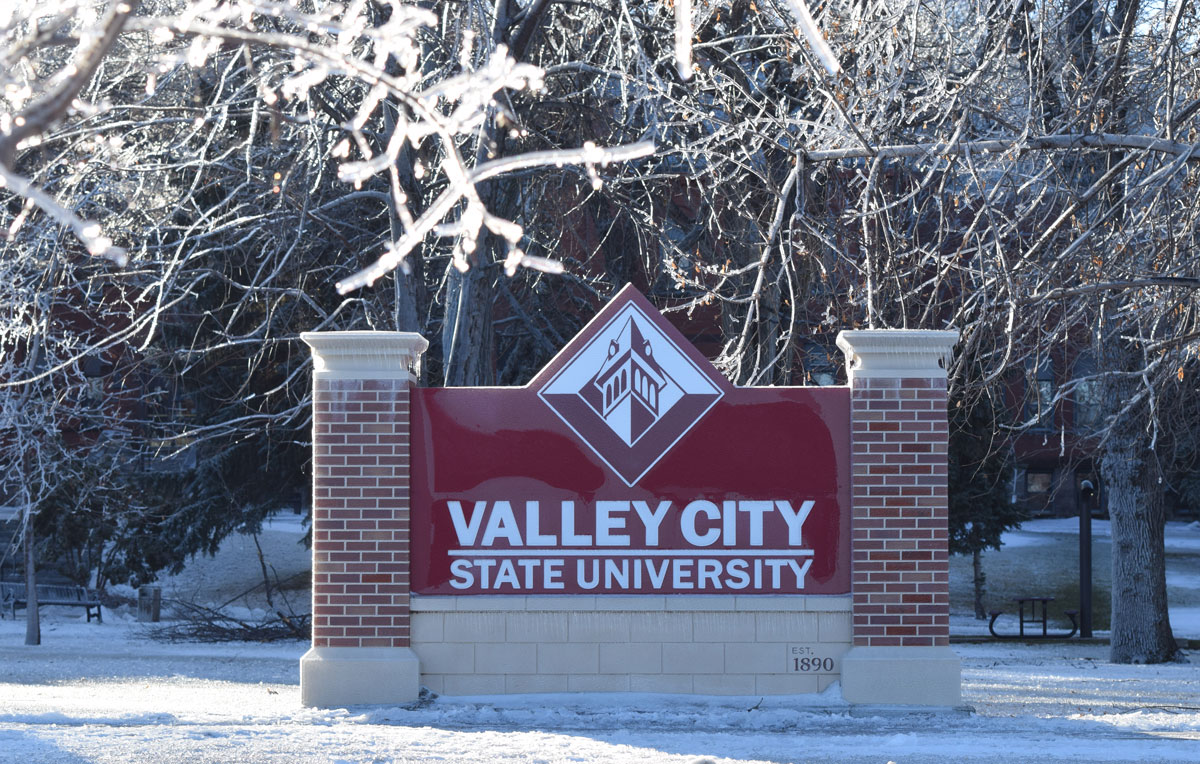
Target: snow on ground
(226,576)
(1182,542)
(1183,547)
(1185,622)
(104,693)
(107,693)
(1181,537)
(1100,528)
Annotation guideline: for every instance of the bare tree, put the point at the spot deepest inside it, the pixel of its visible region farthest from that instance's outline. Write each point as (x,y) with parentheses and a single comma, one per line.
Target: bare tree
(214,163)
(1024,172)
(61,434)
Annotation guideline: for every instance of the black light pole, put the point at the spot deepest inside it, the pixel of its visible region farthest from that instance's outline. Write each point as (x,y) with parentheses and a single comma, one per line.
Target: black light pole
(1087,494)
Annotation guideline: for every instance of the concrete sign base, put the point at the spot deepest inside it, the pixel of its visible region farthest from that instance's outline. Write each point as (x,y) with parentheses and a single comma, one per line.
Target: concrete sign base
(347,676)
(910,676)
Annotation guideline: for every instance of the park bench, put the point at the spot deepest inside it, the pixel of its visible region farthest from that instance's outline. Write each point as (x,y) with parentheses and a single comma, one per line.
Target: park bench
(12,596)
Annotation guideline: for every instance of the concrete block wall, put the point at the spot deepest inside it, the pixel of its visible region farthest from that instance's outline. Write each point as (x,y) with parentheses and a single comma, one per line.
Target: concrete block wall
(713,645)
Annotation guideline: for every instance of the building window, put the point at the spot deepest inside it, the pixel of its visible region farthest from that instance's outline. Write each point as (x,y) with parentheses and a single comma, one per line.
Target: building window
(1087,394)
(1038,482)
(1087,404)
(1039,403)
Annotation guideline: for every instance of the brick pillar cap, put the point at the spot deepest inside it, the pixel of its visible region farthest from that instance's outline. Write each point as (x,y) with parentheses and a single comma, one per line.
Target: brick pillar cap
(366,353)
(897,352)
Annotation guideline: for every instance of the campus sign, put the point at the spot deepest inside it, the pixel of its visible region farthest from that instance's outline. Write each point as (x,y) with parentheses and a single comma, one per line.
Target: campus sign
(630,465)
(446,519)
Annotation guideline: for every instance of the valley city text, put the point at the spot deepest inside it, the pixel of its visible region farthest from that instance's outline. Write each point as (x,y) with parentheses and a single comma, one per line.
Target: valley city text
(621,546)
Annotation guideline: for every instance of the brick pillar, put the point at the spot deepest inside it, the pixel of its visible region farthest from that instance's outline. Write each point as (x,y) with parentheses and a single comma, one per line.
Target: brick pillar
(360,635)
(899,436)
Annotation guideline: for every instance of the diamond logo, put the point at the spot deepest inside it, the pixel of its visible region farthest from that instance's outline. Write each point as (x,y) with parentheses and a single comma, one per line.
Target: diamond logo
(630,392)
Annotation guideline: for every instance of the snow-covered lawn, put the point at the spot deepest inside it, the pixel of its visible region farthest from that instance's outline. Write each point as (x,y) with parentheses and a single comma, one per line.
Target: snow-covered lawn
(1041,558)
(105,693)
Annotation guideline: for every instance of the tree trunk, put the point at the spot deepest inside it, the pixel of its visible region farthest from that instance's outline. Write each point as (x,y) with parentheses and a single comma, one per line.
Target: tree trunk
(406,286)
(1141,628)
(467,329)
(262,563)
(980,579)
(468,347)
(33,620)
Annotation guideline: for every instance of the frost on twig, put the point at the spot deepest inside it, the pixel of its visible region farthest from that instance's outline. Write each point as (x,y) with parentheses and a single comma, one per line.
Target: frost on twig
(467,227)
(35,117)
(352,42)
(88,231)
(683,38)
(812,33)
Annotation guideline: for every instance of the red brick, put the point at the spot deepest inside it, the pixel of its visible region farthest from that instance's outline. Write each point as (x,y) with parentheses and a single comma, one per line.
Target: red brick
(361,457)
(898,489)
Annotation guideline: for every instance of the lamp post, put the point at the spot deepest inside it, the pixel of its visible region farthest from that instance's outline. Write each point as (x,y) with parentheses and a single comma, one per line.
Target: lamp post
(1087,495)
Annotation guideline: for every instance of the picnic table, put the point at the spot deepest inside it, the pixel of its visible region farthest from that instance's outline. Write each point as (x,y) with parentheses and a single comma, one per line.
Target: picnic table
(1038,615)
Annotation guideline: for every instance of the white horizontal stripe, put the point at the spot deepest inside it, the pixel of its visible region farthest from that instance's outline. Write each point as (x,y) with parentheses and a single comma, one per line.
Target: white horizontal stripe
(552,552)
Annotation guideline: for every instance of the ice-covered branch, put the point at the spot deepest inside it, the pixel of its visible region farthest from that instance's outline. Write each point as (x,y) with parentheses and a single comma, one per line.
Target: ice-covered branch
(88,231)
(812,33)
(934,150)
(473,218)
(37,117)
(683,38)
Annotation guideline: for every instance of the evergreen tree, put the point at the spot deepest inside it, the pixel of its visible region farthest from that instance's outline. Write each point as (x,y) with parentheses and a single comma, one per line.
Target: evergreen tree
(980,479)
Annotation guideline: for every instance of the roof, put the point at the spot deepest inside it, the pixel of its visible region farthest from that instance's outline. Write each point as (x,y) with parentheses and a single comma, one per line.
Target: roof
(635,345)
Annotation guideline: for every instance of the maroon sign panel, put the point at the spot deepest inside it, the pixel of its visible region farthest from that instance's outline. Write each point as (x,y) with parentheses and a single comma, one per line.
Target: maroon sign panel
(629,465)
